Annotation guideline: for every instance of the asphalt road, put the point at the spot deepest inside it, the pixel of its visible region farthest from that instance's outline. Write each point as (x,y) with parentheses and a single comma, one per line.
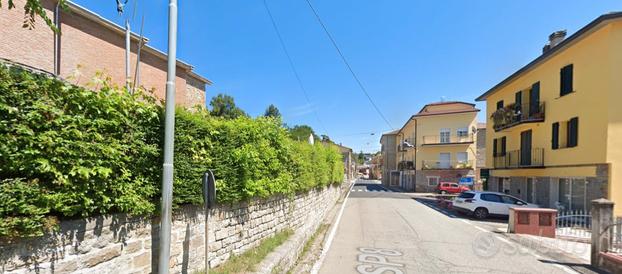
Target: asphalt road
(389,232)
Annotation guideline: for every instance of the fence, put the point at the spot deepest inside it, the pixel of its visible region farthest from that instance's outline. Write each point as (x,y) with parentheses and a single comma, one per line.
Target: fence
(575,224)
(615,230)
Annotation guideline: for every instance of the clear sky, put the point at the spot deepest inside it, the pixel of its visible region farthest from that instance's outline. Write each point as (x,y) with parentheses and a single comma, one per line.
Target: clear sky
(406,52)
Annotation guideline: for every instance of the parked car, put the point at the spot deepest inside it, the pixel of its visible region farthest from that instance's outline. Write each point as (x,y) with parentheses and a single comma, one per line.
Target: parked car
(482,204)
(451,188)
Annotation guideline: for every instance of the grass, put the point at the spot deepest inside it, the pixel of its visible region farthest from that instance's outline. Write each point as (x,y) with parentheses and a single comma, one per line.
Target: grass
(320,231)
(246,261)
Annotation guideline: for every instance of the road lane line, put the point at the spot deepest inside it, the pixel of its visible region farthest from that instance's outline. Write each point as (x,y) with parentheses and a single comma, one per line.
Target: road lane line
(329,240)
(504,240)
(480,229)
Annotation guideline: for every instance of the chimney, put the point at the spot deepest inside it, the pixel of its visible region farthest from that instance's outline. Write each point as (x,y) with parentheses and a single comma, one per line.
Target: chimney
(554,39)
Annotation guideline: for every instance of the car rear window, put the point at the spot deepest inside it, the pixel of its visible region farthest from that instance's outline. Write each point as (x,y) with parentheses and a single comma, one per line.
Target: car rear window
(491,198)
(466,195)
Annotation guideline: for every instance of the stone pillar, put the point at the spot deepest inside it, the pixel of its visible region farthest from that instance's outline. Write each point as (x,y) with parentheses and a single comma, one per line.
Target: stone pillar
(602,218)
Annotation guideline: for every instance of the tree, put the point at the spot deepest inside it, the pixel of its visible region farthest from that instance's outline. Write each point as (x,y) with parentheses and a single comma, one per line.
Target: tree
(301,133)
(34,8)
(360,158)
(272,111)
(224,106)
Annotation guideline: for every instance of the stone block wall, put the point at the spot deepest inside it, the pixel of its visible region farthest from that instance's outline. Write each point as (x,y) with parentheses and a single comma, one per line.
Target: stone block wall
(124,244)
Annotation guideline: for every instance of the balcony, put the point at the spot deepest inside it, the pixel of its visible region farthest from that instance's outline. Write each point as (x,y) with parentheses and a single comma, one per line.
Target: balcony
(405,165)
(434,140)
(520,159)
(512,115)
(436,164)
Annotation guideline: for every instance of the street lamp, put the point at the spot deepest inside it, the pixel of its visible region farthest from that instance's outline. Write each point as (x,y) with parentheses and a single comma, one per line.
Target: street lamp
(169,135)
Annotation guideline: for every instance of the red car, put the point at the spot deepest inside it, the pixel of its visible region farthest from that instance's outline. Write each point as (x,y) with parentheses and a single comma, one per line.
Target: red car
(451,188)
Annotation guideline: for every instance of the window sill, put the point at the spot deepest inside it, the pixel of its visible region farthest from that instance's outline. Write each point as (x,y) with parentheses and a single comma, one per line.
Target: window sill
(564,148)
(572,92)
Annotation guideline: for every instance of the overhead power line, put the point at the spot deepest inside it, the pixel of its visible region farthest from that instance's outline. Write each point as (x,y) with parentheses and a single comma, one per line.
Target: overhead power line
(291,64)
(345,61)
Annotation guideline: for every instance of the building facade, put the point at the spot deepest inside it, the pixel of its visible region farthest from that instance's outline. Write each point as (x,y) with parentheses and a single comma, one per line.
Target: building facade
(88,45)
(553,130)
(445,144)
(388,150)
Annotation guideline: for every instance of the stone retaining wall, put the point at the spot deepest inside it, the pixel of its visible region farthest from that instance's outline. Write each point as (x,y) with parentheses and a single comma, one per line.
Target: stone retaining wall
(122,244)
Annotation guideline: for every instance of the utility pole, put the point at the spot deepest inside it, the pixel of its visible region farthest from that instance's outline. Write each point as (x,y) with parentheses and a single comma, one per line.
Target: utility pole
(127,56)
(169,135)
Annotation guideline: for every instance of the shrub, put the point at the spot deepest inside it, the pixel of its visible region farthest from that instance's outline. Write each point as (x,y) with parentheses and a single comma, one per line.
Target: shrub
(67,151)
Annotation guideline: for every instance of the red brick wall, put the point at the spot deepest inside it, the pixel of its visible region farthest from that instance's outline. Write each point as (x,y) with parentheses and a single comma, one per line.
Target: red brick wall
(30,47)
(85,44)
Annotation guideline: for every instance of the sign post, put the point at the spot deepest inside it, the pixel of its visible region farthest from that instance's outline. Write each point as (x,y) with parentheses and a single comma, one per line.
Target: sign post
(209,199)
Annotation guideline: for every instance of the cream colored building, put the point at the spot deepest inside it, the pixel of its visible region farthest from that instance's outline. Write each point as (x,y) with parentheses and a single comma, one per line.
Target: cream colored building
(438,144)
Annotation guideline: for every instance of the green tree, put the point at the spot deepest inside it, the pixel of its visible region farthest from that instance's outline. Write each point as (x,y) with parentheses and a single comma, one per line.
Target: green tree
(272,111)
(224,106)
(302,132)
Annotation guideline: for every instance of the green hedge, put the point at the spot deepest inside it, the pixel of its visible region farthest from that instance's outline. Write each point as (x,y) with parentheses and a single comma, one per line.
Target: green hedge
(66,151)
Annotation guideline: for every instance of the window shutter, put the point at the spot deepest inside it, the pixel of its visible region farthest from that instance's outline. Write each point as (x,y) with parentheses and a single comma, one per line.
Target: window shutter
(500,104)
(555,136)
(494,148)
(573,132)
(534,99)
(566,75)
(518,101)
(503,139)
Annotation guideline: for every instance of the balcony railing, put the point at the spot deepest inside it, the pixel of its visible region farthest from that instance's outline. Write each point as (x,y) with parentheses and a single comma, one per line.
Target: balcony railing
(405,165)
(447,139)
(512,115)
(441,164)
(520,158)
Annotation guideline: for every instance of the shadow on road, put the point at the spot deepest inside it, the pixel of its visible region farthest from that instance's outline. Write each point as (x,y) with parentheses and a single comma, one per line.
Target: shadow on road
(433,204)
(581,268)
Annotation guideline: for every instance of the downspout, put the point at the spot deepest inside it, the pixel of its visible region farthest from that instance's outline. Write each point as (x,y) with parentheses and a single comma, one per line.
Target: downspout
(57,39)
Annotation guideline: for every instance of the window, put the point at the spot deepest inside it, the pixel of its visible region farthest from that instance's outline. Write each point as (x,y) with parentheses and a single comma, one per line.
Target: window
(491,198)
(462,157)
(433,181)
(573,132)
(567,133)
(445,135)
(494,148)
(454,185)
(510,200)
(500,104)
(566,80)
(466,195)
(463,132)
(499,146)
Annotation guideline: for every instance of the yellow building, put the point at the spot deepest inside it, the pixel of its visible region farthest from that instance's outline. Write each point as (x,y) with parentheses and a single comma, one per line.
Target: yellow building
(554,131)
(438,144)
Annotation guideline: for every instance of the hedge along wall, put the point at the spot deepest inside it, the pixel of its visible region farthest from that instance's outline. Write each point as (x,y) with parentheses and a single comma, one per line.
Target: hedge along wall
(69,152)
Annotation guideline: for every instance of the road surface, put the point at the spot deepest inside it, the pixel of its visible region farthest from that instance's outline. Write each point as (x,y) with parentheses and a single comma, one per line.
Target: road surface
(388,232)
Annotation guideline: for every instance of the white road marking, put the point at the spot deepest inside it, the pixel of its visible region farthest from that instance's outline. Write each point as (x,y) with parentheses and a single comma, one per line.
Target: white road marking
(329,239)
(504,240)
(480,229)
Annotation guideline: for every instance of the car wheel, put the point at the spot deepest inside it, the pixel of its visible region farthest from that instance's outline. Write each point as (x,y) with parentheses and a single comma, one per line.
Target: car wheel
(480,213)
(443,192)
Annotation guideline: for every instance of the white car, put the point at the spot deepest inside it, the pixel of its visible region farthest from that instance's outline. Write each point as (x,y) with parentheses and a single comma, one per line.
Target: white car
(482,204)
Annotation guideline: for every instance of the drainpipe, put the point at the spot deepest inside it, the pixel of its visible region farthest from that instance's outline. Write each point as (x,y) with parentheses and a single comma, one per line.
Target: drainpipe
(415,159)
(57,40)
(127,56)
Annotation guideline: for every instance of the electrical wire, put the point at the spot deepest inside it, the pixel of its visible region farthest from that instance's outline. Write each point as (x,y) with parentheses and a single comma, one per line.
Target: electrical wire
(345,61)
(291,64)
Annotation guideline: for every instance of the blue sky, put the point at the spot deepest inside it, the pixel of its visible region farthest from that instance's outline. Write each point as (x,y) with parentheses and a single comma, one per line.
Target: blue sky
(406,52)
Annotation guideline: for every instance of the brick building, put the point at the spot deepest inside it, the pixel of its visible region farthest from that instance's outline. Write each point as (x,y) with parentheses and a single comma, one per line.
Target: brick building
(90,43)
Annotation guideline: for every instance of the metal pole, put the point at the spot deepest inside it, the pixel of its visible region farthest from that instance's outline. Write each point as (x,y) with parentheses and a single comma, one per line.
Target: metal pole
(169,134)
(127,56)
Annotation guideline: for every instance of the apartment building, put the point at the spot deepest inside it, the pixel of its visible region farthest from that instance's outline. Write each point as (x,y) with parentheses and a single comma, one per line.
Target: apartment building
(88,44)
(554,127)
(388,150)
(438,144)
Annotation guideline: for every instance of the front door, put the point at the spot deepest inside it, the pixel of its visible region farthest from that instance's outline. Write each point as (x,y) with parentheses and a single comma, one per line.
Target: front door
(444,160)
(525,148)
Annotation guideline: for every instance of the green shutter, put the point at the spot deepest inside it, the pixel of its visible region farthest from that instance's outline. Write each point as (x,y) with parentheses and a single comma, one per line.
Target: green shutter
(555,136)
